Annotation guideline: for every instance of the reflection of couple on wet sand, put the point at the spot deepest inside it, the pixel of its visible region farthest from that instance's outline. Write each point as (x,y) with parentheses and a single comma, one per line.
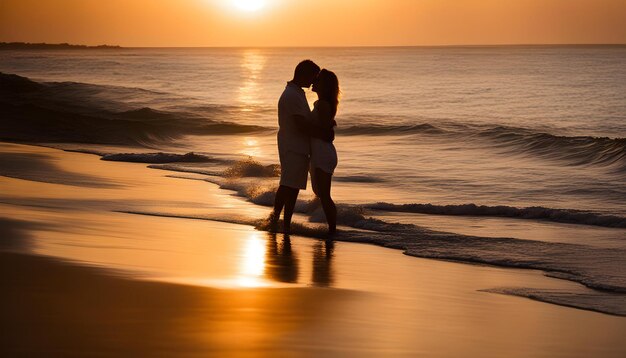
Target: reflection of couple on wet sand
(305,142)
(282,262)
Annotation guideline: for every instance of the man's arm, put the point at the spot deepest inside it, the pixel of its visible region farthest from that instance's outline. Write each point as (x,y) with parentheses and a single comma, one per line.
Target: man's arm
(308,126)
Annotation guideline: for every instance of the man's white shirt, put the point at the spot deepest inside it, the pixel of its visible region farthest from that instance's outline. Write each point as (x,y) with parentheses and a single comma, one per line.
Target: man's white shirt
(292,102)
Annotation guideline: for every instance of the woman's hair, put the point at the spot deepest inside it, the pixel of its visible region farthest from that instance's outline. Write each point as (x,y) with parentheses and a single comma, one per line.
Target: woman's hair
(328,88)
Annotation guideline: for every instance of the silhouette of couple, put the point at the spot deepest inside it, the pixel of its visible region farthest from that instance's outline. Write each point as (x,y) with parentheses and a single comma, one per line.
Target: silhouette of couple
(305,142)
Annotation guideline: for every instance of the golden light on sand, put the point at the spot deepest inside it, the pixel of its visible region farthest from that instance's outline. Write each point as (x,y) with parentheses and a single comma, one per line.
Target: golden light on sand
(253,262)
(249,5)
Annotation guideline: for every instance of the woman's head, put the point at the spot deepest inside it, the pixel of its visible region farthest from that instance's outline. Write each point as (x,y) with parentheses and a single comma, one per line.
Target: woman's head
(327,87)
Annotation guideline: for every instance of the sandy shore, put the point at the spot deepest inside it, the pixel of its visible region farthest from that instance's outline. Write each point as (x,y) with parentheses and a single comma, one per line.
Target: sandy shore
(51,308)
(81,279)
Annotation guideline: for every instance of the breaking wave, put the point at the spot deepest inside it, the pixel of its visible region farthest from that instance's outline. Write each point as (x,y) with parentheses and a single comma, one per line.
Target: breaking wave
(251,168)
(160,157)
(84,113)
(576,151)
(99,114)
(537,213)
(580,150)
(390,129)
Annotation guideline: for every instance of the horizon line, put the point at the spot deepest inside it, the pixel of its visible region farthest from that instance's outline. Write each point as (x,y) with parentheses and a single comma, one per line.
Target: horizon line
(319,46)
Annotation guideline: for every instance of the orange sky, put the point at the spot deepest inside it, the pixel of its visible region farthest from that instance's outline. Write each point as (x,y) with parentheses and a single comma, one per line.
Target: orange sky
(313,22)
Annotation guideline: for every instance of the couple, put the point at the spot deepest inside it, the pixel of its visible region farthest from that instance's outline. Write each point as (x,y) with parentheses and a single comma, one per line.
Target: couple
(305,142)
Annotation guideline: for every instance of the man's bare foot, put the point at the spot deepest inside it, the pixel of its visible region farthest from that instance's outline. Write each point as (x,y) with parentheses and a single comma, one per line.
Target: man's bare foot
(330,236)
(272,223)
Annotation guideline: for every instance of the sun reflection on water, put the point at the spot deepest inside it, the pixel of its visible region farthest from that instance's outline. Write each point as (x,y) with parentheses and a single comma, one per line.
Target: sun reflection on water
(252,262)
(252,64)
(251,147)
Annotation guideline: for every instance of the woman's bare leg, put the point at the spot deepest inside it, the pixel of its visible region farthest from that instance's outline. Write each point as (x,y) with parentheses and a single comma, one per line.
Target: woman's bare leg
(323,181)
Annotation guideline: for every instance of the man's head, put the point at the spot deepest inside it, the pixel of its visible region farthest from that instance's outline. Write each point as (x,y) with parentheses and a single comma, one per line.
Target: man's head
(305,74)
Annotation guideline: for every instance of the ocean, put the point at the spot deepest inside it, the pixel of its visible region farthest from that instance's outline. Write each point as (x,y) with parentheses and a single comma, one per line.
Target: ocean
(520,142)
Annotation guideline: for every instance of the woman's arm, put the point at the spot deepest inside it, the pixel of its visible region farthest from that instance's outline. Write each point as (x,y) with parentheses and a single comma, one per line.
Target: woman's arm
(326,115)
(313,128)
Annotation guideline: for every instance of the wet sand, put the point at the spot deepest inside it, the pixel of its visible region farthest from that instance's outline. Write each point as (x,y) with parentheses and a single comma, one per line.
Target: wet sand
(51,308)
(81,279)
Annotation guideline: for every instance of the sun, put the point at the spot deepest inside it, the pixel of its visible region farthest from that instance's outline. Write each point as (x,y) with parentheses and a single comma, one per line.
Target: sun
(249,5)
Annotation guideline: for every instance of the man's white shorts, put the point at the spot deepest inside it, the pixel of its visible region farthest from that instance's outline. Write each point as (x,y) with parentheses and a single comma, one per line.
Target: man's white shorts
(294,169)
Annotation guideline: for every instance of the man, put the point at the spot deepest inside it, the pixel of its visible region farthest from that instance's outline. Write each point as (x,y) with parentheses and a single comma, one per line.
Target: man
(293,142)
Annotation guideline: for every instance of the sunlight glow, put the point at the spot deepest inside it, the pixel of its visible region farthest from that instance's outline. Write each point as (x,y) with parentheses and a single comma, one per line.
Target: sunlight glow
(253,263)
(249,5)
(251,147)
(253,62)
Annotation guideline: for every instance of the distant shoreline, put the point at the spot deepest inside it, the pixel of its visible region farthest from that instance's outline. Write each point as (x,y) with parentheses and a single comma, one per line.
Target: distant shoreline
(47,46)
(67,46)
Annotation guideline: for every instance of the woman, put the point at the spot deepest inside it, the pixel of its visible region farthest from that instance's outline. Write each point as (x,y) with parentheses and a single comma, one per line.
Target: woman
(323,153)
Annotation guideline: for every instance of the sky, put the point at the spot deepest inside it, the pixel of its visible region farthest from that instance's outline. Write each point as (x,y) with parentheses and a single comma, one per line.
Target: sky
(161,23)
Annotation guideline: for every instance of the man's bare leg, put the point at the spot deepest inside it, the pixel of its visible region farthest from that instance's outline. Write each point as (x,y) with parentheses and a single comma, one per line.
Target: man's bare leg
(290,204)
(285,197)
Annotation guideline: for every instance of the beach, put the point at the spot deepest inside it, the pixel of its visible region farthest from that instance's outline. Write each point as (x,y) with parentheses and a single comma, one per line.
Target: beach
(81,274)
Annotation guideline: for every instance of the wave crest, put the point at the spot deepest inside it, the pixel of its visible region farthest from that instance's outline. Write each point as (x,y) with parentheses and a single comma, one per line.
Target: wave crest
(251,168)
(536,212)
(86,113)
(160,157)
(580,150)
